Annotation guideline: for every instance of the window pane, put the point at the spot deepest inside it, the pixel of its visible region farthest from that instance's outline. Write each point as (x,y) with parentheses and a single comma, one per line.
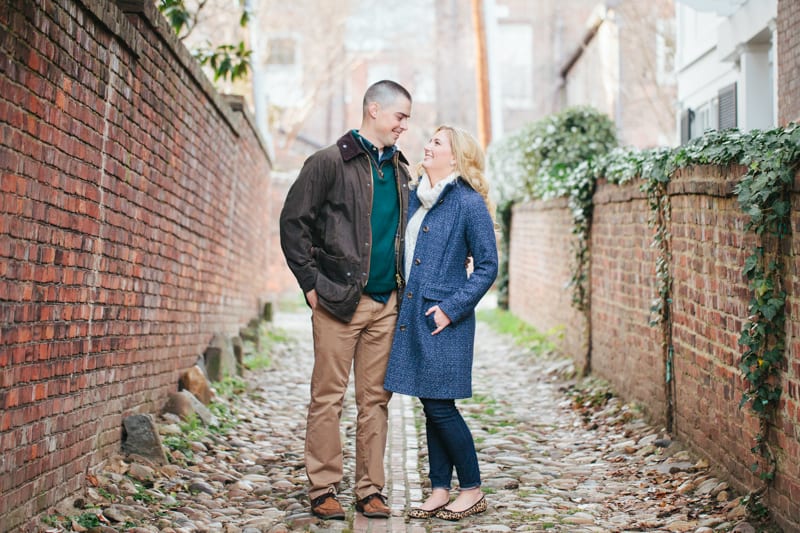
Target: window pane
(280,51)
(514,44)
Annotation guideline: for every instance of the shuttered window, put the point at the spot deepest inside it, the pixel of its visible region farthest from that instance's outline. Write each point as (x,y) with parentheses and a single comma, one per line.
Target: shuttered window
(727,107)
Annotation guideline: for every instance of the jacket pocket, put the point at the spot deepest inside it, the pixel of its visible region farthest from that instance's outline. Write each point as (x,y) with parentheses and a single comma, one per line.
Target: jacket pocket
(333,291)
(337,269)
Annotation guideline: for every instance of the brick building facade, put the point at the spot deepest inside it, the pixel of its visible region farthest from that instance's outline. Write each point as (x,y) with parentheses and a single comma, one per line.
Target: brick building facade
(134,224)
(788,61)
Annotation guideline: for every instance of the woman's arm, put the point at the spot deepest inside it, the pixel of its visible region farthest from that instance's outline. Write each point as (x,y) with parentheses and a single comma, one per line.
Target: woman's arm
(482,243)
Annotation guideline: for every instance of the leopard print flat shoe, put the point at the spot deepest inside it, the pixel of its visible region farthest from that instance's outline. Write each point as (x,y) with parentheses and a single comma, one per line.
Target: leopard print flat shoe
(454,516)
(422,514)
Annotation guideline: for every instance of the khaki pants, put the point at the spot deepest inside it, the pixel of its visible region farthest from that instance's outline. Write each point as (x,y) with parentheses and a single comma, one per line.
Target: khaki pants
(364,344)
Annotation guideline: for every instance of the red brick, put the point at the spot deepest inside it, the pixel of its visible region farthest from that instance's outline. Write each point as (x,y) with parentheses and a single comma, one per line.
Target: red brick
(709,305)
(136,238)
(788,46)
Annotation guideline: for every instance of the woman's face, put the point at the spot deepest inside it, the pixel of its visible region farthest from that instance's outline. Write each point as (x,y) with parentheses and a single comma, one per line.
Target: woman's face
(438,158)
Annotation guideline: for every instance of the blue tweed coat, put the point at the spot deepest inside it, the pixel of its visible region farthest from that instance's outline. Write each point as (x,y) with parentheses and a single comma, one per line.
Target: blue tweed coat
(440,366)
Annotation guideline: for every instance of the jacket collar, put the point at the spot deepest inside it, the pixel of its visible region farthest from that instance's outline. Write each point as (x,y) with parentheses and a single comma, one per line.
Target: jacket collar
(349,147)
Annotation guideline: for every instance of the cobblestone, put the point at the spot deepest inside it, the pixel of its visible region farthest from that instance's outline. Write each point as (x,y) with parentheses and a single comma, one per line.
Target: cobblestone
(553,456)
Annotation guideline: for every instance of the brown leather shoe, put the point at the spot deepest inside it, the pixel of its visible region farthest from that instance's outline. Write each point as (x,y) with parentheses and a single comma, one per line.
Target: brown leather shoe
(327,507)
(374,506)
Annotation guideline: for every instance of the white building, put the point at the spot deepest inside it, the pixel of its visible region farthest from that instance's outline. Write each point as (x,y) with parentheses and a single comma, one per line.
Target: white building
(726,66)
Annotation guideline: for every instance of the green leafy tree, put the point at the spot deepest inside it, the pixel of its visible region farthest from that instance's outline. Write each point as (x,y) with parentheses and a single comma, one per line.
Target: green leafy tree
(227,61)
(547,159)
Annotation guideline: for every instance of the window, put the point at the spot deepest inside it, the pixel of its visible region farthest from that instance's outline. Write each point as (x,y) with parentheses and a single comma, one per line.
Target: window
(281,51)
(282,71)
(727,107)
(704,118)
(515,54)
(425,84)
(686,125)
(695,122)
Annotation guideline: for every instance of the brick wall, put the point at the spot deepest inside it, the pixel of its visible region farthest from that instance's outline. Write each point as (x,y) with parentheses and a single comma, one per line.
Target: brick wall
(710,299)
(788,422)
(540,259)
(132,227)
(788,30)
(623,289)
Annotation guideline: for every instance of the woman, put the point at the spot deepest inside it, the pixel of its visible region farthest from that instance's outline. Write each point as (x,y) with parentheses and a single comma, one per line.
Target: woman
(450,221)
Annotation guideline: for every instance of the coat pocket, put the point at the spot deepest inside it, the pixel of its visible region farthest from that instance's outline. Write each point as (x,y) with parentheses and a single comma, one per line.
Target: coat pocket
(433,295)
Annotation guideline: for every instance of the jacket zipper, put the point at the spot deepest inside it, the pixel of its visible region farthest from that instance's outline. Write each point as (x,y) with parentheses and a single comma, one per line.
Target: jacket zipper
(369,233)
(400,229)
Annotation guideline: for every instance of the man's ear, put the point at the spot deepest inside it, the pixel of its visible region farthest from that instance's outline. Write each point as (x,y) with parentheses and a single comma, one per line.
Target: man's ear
(372,108)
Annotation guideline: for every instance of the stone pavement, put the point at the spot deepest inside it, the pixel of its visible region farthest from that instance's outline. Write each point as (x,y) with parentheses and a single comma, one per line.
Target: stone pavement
(546,465)
(555,455)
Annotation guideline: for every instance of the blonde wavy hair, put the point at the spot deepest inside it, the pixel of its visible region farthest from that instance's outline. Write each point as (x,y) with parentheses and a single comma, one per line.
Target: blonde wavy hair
(470,162)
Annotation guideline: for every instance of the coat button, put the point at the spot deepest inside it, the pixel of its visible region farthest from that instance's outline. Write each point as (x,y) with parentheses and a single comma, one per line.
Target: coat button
(425,229)
(409,294)
(402,328)
(417,261)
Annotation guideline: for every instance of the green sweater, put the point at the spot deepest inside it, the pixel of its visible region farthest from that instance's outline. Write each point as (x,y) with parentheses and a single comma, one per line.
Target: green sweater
(384,218)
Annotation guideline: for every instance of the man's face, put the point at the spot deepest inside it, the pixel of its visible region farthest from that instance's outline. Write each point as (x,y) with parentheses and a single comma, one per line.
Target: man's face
(392,120)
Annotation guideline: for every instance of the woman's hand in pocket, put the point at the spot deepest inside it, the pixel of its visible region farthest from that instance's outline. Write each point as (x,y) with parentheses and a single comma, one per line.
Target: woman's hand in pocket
(439,318)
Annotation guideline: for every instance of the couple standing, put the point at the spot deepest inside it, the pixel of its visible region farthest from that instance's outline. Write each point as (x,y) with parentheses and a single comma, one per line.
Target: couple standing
(381,258)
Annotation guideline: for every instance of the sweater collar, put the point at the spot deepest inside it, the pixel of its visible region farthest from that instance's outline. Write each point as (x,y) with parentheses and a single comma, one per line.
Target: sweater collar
(428,194)
(350,147)
(377,155)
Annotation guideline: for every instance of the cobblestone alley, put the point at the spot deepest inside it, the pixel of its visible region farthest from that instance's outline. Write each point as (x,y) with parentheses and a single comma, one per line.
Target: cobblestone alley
(546,465)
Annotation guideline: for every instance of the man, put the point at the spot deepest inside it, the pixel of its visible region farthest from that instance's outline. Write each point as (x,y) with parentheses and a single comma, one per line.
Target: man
(342,229)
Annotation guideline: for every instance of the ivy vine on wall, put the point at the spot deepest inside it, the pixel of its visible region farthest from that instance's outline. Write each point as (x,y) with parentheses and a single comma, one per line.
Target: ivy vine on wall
(772,159)
(540,161)
(653,168)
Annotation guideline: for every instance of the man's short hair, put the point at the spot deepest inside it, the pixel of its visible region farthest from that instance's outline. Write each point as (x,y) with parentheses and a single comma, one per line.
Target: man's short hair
(384,92)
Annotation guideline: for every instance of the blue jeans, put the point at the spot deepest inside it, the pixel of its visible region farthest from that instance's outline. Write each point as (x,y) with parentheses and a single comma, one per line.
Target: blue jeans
(450,445)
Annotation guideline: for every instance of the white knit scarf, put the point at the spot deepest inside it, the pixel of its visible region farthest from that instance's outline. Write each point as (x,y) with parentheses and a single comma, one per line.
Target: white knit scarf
(427,197)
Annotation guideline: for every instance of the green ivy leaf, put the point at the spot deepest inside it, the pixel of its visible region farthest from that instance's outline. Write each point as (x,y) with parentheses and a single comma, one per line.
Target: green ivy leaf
(781,208)
(750,265)
(552,162)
